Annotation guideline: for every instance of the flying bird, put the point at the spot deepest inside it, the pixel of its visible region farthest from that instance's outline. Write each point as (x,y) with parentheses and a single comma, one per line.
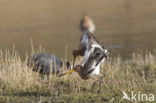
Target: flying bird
(87,28)
(86,40)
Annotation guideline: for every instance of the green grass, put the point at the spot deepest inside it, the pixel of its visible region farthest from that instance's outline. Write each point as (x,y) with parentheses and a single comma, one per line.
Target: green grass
(19,84)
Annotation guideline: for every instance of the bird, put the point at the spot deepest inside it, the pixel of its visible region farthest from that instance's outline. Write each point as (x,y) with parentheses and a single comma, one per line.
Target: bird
(87,23)
(94,55)
(87,28)
(46,63)
(87,39)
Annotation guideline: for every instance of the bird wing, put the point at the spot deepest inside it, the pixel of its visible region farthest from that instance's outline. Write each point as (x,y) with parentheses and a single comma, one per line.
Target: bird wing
(92,37)
(88,38)
(90,42)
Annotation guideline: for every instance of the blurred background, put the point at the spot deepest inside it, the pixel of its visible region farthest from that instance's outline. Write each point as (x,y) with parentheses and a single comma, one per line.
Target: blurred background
(125,26)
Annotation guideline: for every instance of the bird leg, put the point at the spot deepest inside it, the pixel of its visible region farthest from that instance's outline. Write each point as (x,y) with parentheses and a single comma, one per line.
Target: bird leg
(99,80)
(99,86)
(94,84)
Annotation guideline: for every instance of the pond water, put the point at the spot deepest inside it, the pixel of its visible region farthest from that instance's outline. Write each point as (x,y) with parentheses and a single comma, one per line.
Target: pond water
(124,26)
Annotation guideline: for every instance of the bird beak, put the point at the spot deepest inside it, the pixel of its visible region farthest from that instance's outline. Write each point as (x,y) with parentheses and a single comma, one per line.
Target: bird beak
(67,72)
(70,71)
(74,59)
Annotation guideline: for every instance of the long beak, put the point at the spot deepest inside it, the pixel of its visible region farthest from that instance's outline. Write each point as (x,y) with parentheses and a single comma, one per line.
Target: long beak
(67,72)
(70,71)
(74,59)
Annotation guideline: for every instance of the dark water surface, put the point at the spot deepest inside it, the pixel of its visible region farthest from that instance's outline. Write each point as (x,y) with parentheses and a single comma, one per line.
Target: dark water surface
(125,26)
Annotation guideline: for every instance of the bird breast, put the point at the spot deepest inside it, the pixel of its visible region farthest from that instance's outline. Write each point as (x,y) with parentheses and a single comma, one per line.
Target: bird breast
(96,71)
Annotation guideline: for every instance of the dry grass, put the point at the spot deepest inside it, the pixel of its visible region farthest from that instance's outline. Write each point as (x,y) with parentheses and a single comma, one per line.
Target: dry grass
(18,83)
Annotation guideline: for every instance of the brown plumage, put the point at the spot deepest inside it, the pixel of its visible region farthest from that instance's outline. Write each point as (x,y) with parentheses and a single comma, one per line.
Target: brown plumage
(93,55)
(88,28)
(86,40)
(92,64)
(87,23)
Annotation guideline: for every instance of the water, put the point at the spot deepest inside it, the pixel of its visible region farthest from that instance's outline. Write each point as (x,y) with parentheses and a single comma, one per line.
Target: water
(125,26)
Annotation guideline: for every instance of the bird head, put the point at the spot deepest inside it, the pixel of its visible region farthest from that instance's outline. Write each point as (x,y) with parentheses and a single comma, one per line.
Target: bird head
(85,18)
(86,21)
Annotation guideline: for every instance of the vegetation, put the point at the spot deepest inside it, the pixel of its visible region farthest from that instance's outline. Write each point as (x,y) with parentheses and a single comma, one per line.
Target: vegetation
(19,84)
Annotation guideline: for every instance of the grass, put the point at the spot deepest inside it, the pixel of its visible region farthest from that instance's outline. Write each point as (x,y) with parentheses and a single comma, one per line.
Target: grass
(19,84)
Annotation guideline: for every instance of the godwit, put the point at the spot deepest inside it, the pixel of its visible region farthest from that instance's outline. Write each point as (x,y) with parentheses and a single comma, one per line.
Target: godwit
(86,40)
(88,28)
(93,57)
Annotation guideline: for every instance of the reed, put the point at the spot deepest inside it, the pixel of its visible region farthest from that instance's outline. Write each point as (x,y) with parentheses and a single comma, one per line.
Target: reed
(18,83)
